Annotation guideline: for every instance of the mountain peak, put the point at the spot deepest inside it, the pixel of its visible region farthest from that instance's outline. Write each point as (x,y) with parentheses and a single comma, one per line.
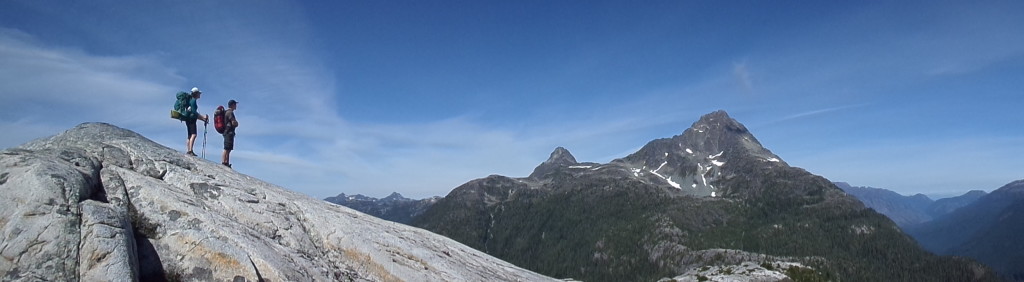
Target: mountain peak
(719,121)
(719,114)
(395,197)
(714,134)
(718,132)
(975,193)
(559,158)
(694,160)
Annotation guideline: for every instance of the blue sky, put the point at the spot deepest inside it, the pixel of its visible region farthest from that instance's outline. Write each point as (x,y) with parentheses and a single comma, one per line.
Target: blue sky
(419,97)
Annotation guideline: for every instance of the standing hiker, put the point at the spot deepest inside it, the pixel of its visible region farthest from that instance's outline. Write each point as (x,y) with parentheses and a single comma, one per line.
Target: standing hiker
(190,116)
(230,124)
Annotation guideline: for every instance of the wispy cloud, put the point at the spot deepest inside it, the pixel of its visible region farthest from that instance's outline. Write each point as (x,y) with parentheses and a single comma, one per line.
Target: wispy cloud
(44,87)
(67,76)
(742,74)
(815,113)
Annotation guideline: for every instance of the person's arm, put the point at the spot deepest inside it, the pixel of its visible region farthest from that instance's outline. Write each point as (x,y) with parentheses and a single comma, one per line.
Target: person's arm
(192,112)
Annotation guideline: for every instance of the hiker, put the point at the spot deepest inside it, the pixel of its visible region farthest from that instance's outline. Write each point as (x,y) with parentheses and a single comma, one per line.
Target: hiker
(230,123)
(190,116)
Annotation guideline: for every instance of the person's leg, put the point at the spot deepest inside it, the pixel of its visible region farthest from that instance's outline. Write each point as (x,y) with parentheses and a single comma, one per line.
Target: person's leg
(193,133)
(191,142)
(229,144)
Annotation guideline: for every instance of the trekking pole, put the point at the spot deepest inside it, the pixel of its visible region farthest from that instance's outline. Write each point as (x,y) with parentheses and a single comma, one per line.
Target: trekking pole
(204,138)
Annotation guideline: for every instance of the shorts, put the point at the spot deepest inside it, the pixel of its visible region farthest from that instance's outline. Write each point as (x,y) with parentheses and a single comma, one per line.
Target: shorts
(229,141)
(192,128)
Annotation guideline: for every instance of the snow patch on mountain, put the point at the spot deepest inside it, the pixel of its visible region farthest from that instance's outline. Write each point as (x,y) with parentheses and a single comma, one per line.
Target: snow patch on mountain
(666,178)
(673,183)
(659,167)
(702,171)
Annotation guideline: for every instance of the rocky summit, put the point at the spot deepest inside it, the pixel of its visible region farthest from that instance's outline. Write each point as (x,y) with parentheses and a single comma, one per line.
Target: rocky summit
(100,203)
(693,161)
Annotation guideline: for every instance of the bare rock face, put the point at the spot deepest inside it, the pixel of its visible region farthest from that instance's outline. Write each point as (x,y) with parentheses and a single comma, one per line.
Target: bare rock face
(746,271)
(40,215)
(100,203)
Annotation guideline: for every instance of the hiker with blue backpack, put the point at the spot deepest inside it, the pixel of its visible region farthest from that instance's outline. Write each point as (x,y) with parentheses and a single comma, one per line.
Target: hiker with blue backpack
(186,109)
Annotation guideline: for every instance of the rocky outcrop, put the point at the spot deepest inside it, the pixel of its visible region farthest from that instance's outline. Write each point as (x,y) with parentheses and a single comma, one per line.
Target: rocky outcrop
(746,271)
(100,203)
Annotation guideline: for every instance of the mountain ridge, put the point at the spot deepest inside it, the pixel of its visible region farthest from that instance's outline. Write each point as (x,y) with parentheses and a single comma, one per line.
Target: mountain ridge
(660,211)
(945,206)
(909,211)
(394,207)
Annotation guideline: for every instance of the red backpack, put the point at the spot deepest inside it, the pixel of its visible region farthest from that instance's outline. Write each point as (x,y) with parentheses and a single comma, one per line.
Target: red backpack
(219,122)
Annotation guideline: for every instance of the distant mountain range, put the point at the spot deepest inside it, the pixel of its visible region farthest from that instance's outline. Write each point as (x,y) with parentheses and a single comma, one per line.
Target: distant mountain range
(394,207)
(978,225)
(989,230)
(710,202)
(907,211)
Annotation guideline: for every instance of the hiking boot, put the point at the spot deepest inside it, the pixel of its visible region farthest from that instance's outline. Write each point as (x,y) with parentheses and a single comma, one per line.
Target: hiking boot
(190,153)
(226,164)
